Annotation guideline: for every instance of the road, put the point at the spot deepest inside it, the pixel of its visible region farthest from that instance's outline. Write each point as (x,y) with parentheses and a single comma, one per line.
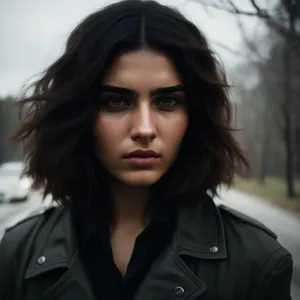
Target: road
(284,224)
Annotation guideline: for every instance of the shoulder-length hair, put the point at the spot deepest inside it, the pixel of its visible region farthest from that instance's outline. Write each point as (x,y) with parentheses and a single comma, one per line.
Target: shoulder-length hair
(57,128)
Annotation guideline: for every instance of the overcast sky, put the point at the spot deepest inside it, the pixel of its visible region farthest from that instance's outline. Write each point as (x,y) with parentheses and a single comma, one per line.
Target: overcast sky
(33,33)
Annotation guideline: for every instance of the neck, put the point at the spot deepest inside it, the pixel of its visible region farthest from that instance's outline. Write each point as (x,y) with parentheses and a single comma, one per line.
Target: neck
(129,205)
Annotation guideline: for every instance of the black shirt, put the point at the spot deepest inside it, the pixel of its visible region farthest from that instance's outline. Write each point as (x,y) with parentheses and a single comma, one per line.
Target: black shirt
(96,253)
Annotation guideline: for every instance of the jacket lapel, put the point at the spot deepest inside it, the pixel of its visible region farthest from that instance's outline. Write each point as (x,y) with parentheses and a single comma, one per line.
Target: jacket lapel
(170,278)
(73,285)
(199,234)
(200,231)
(57,248)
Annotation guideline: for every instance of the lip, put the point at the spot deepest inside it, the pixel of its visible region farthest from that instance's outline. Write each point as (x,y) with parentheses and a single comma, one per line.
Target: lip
(142,158)
(146,154)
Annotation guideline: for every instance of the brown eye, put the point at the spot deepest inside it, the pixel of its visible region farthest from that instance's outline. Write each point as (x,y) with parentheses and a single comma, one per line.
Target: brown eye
(167,103)
(115,103)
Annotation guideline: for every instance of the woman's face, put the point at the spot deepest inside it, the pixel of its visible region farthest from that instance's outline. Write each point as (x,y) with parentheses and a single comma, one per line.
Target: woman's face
(142,117)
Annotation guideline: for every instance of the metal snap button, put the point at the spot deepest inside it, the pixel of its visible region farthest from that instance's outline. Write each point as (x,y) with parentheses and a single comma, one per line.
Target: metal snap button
(179,291)
(214,249)
(41,260)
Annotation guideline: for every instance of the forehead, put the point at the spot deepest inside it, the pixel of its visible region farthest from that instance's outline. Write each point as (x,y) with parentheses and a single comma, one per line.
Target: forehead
(143,68)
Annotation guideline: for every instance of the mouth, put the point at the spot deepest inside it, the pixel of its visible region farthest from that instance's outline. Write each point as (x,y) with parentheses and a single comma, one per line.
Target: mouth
(142,158)
(142,154)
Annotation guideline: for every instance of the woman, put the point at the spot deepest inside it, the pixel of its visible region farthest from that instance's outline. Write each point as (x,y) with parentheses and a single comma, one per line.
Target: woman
(128,130)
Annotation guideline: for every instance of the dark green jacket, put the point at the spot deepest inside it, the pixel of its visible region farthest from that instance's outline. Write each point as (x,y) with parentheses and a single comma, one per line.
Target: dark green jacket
(215,253)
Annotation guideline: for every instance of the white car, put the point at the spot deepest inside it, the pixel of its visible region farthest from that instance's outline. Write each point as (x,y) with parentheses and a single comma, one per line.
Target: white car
(13,188)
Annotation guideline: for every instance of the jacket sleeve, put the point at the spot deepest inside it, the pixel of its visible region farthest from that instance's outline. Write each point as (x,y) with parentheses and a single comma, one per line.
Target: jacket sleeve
(6,280)
(276,277)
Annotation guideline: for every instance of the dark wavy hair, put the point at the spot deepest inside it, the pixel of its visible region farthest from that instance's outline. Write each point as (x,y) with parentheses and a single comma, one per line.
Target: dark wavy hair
(56,129)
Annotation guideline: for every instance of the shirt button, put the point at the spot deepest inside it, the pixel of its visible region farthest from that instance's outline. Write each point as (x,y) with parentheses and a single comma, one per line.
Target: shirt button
(179,291)
(213,249)
(41,260)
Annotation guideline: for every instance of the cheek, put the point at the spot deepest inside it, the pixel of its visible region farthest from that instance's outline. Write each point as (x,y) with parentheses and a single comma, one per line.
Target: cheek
(107,132)
(175,130)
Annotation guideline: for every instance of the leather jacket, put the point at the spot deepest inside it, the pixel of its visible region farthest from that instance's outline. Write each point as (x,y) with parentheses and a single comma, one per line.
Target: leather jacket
(215,253)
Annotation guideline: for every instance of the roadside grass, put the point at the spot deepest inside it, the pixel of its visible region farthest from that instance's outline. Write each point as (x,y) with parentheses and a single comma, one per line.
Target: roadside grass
(274,190)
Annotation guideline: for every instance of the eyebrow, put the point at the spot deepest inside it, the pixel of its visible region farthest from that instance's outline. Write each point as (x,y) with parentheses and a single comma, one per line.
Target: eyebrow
(128,92)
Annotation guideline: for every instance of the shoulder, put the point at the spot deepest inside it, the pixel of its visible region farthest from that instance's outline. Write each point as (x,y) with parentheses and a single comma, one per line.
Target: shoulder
(248,235)
(256,241)
(16,248)
(257,249)
(245,222)
(256,246)
(21,233)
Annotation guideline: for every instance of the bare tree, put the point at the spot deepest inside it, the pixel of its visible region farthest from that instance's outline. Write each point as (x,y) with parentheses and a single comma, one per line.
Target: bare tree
(276,16)
(282,18)
(287,106)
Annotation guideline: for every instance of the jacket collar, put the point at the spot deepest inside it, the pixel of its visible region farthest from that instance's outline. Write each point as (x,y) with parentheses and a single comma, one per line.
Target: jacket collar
(199,233)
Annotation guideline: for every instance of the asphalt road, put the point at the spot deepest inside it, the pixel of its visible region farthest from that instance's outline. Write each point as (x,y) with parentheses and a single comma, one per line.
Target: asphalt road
(284,224)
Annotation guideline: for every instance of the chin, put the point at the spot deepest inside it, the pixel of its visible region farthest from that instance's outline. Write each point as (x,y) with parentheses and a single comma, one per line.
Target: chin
(140,178)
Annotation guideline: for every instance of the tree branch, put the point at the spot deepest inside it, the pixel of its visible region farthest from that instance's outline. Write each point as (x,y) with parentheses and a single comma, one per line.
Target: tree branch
(234,9)
(270,16)
(255,6)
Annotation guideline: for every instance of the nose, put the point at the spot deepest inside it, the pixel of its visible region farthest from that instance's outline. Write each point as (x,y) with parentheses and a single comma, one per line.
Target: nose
(143,123)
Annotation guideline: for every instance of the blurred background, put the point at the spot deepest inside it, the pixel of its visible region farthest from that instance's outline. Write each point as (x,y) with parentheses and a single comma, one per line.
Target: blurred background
(258,42)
